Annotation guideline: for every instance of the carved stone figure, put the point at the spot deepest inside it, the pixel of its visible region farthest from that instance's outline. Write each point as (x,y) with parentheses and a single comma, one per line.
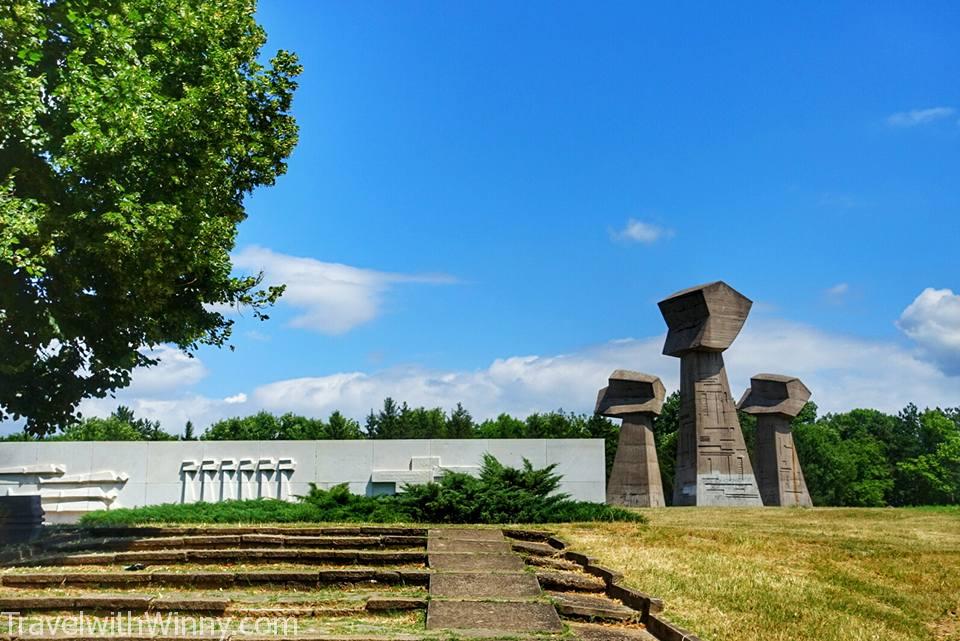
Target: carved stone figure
(775,400)
(713,467)
(636,398)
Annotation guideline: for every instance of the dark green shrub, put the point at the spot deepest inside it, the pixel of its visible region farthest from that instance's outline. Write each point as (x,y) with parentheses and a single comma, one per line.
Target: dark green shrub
(503,494)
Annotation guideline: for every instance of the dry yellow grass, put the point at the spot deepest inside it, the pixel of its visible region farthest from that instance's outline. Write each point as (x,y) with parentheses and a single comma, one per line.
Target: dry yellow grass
(790,574)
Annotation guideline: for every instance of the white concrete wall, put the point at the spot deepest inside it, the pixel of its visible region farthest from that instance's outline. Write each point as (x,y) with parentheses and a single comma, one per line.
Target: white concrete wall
(76,477)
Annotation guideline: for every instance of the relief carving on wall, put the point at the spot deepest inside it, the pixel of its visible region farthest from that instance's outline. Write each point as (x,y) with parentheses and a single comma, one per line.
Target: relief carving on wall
(213,480)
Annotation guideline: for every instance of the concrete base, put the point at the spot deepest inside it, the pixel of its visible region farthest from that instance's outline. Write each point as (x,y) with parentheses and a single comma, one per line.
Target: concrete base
(778,468)
(635,477)
(713,467)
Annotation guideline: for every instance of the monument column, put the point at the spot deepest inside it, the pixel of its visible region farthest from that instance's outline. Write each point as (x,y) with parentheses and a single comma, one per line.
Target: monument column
(713,467)
(775,400)
(635,478)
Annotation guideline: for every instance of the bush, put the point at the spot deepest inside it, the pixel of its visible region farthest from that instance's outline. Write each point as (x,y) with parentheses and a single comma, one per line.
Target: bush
(501,494)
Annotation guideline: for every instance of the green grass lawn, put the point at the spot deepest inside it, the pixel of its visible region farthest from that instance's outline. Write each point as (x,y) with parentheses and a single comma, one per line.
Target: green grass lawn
(792,574)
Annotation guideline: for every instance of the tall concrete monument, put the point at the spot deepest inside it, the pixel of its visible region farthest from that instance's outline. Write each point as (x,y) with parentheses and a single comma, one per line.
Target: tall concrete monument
(713,467)
(636,398)
(775,400)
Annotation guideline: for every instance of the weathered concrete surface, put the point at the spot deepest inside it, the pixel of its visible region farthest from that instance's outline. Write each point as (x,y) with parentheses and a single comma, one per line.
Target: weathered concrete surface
(468,546)
(498,592)
(553,563)
(533,548)
(596,632)
(636,398)
(454,562)
(629,392)
(775,400)
(563,581)
(592,607)
(474,585)
(635,478)
(390,603)
(467,534)
(713,466)
(492,615)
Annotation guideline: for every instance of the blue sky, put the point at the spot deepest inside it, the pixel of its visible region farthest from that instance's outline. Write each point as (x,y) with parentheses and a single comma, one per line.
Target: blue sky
(489,198)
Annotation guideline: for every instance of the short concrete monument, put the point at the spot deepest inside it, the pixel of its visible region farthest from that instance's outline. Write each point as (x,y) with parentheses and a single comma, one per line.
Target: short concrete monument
(636,398)
(775,400)
(713,467)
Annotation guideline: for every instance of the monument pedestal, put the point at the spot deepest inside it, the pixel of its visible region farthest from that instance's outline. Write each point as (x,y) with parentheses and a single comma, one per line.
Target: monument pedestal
(778,467)
(713,466)
(775,400)
(635,478)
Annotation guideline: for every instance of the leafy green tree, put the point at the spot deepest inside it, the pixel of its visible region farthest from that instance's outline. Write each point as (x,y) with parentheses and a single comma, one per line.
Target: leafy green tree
(130,134)
(342,428)
(421,422)
(841,469)
(18,437)
(293,427)
(262,426)
(934,478)
(953,413)
(504,426)
(460,424)
(188,432)
(667,458)
(929,475)
(100,429)
(558,424)
(386,423)
(602,427)
(665,429)
(148,430)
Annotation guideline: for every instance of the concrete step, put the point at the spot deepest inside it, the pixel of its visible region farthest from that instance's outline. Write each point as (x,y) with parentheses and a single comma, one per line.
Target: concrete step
(312,578)
(282,606)
(222,555)
(562,581)
(239,541)
(493,616)
(207,530)
(592,607)
(473,585)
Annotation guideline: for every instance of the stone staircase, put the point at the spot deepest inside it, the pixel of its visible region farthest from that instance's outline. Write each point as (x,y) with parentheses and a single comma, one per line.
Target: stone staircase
(323,583)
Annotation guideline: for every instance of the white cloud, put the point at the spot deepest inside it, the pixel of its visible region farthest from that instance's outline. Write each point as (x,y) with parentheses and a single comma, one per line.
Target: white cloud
(838,290)
(933,321)
(843,372)
(332,298)
(518,385)
(637,231)
(174,370)
(917,117)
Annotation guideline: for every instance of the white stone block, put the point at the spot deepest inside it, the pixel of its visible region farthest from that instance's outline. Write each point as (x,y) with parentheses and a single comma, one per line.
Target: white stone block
(572,456)
(344,462)
(127,458)
(455,452)
(163,459)
(512,451)
(396,454)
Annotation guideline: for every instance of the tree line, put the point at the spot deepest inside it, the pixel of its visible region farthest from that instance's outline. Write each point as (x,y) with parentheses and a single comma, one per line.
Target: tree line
(862,457)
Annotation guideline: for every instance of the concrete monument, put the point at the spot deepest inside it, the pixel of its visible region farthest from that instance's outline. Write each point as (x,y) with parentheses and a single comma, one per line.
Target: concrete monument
(636,398)
(713,467)
(775,400)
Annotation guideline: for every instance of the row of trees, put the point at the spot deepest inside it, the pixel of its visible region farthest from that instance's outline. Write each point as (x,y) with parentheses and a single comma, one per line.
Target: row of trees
(858,458)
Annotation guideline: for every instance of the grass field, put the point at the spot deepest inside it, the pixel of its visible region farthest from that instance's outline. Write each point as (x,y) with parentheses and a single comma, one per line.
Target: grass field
(825,574)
